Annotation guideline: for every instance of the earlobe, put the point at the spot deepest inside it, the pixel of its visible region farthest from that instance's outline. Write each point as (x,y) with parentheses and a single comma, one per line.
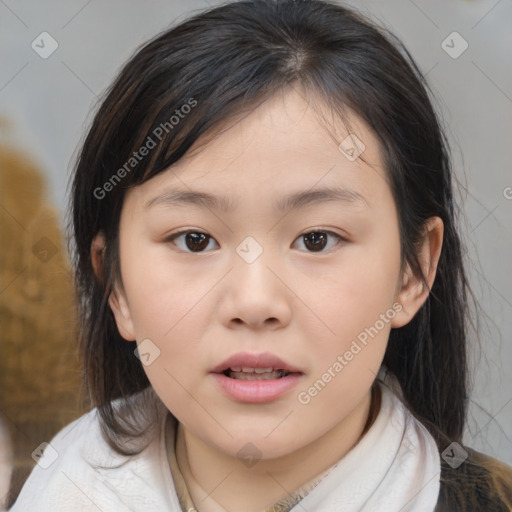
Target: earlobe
(120,309)
(414,292)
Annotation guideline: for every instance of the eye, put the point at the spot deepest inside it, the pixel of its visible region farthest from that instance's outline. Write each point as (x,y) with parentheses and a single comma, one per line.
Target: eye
(198,241)
(193,241)
(316,241)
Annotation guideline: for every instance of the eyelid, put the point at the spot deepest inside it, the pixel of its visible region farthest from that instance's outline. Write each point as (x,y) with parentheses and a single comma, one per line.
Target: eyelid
(172,236)
(186,231)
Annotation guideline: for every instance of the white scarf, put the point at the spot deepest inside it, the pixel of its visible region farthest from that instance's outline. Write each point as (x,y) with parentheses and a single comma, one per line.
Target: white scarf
(395,467)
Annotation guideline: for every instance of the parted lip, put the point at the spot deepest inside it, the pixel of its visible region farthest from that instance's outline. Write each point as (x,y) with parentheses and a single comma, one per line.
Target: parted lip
(262,360)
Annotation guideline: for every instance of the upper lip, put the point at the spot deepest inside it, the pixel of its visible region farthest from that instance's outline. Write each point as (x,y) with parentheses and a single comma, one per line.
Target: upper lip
(248,360)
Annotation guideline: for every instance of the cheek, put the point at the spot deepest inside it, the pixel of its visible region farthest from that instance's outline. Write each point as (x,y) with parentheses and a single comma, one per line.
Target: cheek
(161,294)
(170,321)
(363,289)
(166,308)
(359,312)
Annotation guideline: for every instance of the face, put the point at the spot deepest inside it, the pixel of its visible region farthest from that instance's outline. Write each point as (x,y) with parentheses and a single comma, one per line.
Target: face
(313,282)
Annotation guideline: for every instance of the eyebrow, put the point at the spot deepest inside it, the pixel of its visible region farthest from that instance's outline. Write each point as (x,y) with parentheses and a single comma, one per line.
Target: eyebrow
(293,201)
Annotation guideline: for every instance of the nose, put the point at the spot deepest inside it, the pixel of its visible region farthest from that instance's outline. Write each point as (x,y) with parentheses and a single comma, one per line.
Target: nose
(255,293)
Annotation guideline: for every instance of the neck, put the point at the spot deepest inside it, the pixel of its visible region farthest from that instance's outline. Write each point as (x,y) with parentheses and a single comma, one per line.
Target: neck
(229,486)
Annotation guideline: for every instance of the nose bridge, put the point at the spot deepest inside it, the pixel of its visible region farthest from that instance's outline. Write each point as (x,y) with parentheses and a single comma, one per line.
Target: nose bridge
(250,250)
(256,294)
(251,264)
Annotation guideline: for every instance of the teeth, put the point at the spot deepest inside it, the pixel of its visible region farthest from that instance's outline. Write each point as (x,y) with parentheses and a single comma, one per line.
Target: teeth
(256,376)
(247,373)
(262,370)
(246,369)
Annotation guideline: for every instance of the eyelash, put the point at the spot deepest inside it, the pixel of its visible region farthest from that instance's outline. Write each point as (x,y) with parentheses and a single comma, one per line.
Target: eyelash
(176,235)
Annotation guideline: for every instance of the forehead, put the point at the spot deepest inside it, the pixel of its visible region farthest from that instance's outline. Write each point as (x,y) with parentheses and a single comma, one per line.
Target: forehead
(287,143)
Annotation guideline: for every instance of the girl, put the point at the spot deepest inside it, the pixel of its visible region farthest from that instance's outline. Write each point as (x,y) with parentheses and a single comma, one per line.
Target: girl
(273,300)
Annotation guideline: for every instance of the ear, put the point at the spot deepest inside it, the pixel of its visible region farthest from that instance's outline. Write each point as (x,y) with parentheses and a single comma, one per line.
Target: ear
(413,293)
(97,254)
(117,298)
(120,308)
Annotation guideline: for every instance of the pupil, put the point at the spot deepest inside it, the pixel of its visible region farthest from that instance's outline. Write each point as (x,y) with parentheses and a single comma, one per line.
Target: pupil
(197,241)
(318,240)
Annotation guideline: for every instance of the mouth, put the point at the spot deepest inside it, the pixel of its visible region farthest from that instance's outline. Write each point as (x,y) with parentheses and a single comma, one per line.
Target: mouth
(245,373)
(251,366)
(248,377)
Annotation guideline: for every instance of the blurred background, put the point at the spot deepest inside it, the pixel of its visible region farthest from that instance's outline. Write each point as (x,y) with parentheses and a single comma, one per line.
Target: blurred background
(57,58)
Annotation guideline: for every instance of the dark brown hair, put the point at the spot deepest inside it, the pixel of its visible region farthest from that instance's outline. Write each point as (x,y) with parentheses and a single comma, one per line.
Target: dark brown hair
(228,60)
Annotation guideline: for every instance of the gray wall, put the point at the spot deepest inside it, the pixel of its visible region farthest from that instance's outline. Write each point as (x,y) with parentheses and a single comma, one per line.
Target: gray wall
(49,102)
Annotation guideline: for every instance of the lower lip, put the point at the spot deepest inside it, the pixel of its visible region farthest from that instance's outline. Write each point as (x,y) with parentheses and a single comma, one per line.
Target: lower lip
(256,391)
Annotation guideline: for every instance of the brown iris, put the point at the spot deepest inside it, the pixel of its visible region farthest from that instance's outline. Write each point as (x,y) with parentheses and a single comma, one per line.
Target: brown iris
(315,241)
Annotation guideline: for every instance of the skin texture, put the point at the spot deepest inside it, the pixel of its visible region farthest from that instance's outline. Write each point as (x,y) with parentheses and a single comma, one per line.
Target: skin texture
(304,306)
